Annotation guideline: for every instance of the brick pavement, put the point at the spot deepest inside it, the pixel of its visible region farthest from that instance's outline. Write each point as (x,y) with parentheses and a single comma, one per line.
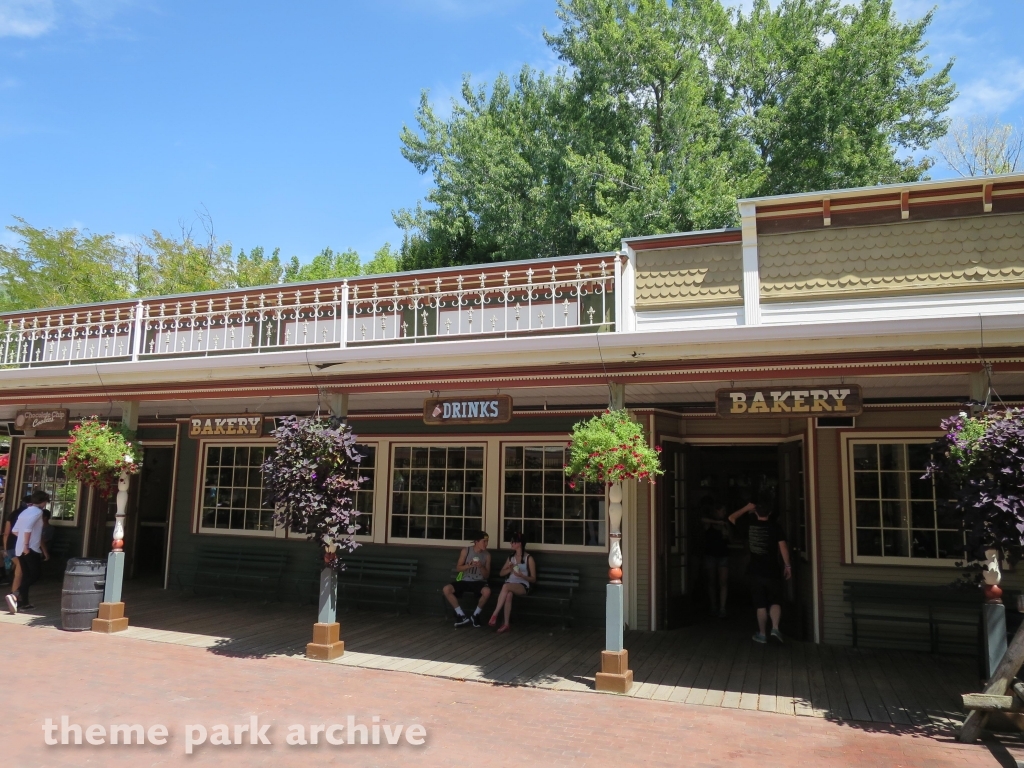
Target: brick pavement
(105,680)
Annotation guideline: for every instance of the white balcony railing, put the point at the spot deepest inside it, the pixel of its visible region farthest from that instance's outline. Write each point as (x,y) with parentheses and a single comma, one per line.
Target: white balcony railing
(525,298)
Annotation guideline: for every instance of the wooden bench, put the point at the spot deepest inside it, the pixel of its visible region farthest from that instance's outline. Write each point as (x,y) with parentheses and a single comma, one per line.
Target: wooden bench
(377,580)
(230,571)
(910,605)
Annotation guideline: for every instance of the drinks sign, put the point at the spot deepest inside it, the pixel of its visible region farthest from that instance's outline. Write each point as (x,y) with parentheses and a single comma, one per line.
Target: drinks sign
(789,403)
(496,409)
(54,419)
(227,425)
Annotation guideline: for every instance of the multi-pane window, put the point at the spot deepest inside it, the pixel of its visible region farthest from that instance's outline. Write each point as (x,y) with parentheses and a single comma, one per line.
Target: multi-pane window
(895,511)
(437,492)
(541,504)
(41,472)
(364,496)
(233,497)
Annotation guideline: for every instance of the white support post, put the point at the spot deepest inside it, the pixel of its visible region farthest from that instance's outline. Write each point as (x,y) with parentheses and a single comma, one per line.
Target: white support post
(140,331)
(343,315)
(751,269)
(130,414)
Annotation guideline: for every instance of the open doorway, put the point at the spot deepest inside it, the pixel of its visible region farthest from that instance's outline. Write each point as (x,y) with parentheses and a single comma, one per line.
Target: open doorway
(698,479)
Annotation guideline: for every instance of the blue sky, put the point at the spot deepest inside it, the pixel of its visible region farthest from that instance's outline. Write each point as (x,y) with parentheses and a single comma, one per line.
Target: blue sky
(282,119)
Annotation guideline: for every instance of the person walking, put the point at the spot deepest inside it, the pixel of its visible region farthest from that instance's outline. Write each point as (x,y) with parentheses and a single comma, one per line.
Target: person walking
(29,551)
(767,542)
(521,570)
(474,567)
(716,557)
(10,560)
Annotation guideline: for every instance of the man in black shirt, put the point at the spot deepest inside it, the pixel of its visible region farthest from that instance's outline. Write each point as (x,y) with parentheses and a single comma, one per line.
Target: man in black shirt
(767,542)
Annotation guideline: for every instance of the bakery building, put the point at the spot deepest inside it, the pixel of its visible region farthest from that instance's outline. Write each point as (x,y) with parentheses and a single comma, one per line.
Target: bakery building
(807,357)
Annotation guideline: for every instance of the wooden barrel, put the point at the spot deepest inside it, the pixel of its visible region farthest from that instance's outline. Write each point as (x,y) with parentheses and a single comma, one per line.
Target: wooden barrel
(80,600)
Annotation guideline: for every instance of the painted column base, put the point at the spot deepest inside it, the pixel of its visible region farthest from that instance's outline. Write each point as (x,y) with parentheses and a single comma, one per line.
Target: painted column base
(326,643)
(615,675)
(111,619)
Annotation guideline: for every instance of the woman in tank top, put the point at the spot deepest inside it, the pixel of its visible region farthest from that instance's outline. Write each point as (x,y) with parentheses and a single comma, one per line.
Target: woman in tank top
(521,573)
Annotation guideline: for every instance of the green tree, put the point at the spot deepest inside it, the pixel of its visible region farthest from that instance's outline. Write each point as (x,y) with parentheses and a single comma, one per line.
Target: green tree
(184,266)
(255,268)
(326,265)
(385,261)
(831,95)
(58,267)
(666,112)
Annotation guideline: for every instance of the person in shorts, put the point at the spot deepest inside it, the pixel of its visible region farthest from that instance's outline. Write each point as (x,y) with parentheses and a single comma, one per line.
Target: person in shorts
(29,551)
(474,567)
(11,566)
(521,573)
(767,543)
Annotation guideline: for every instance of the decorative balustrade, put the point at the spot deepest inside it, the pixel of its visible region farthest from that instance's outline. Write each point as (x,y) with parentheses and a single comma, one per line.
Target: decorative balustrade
(504,300)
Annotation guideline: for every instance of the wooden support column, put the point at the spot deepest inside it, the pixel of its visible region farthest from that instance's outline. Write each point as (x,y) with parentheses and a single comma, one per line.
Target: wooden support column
(614,675)
(111,617)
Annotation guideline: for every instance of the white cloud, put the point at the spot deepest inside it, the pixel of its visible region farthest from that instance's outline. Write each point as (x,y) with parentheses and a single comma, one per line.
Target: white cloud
(993,94)
(26,18)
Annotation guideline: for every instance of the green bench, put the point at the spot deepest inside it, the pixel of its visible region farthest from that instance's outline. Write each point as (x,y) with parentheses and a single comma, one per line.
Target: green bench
(229,571)
(550,596)
(878,609)
(376,581)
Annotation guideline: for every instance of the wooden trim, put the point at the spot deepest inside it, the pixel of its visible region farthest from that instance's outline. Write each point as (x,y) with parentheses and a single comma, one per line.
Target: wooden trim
(197,502)
(174,502)
(686,240)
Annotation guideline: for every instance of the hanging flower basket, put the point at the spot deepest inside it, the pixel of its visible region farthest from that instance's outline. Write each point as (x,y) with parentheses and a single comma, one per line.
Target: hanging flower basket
(610,448)
(98,453)
(978,468)
(312,477)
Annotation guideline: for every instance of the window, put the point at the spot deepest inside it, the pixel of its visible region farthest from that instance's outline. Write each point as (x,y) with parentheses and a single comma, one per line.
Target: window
(894,509)
(40,471)
(364,496)
(540,503)
(437,492)
(233,489)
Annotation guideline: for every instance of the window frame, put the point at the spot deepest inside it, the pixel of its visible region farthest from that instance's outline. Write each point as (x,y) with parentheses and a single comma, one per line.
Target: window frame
(197,519)
(848,439)
(451,441)
(367,538)
(32,442)
(536,546)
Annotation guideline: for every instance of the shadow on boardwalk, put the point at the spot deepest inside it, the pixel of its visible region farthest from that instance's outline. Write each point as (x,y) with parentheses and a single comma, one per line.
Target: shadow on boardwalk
(711,665)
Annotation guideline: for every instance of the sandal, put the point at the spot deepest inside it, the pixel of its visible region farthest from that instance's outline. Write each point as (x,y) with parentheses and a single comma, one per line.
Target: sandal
(493,621)
(504,628)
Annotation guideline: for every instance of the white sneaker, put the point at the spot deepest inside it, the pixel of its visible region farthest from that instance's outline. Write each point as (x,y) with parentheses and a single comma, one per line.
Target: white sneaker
(12,603)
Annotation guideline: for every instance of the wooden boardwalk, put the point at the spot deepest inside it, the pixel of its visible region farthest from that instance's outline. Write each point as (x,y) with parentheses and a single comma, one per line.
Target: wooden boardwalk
(710,664)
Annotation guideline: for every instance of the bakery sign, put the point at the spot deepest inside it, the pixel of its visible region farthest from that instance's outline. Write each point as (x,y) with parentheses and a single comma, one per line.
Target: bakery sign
(226,425)
(776,402)
(53,419)
(496,409)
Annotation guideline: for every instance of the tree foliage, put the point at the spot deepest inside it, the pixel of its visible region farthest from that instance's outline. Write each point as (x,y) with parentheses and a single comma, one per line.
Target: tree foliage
(664,113)
(981,146)
(325,265)
(255,268)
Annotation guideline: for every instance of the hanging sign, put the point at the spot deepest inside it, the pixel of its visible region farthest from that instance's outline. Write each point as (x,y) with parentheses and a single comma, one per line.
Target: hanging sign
(776,402)
(495,409)
(53,419)
(226,425)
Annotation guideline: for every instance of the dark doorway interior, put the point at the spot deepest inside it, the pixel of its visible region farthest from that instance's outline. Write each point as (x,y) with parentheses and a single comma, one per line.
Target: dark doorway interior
(153,509)
(699,478)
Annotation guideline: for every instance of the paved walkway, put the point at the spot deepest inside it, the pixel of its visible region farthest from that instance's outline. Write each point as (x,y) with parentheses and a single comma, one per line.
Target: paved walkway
(105,680)
(713,665)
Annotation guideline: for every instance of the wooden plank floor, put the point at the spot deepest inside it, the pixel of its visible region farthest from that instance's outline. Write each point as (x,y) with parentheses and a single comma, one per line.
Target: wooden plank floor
(710,664)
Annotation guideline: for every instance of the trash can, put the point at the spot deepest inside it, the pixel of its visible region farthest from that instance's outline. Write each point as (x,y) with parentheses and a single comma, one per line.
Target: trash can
(80,600)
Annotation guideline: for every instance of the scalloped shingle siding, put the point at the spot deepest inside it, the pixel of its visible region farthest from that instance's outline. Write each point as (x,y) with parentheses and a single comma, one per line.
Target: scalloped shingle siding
(704,275)
(925,256)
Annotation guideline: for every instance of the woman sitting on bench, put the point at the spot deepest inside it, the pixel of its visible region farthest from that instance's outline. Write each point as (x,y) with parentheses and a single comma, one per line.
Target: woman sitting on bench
(521,570)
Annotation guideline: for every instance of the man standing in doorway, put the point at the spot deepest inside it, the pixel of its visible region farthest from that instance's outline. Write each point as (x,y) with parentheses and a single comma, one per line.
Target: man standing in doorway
(767,542)
(28,550)
(473,568)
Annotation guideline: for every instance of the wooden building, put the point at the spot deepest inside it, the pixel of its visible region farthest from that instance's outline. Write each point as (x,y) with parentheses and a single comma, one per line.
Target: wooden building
(807,356)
